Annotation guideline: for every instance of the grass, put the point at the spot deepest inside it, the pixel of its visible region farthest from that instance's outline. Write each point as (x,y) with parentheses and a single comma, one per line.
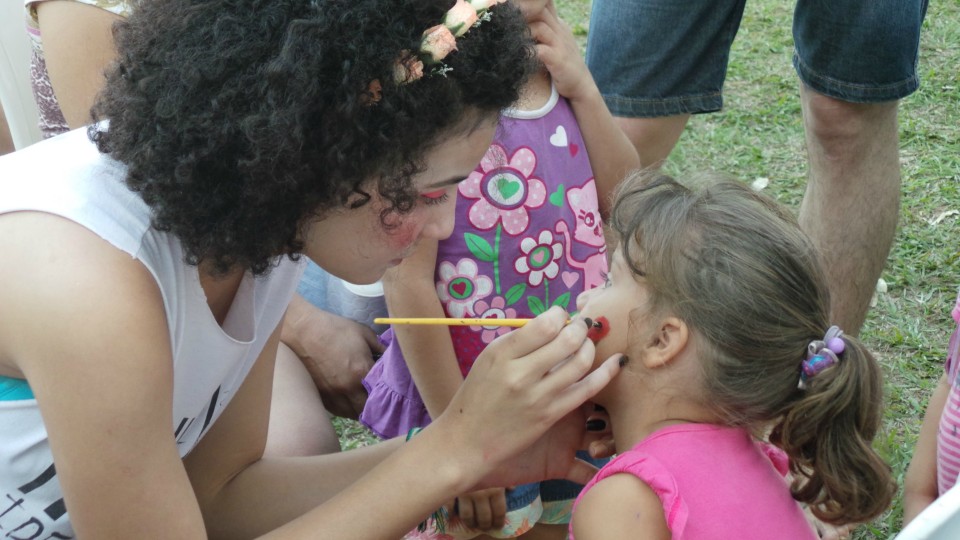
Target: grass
(759,134)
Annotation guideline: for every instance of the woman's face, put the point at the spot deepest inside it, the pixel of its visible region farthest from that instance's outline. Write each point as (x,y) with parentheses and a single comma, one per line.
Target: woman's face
(353,244)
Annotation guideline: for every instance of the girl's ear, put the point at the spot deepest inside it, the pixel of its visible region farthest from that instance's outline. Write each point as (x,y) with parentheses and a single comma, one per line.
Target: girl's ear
(666,343)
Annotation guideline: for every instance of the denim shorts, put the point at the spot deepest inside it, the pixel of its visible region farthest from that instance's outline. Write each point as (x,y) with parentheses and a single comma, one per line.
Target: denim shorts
(654,58)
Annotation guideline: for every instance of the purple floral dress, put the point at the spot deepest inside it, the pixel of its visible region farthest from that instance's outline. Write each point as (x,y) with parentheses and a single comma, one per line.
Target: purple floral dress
(528,236)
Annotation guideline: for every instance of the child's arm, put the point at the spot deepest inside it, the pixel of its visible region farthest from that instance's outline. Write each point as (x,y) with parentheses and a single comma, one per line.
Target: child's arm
(410,291)
(617,507)
(920,484)
(611,153)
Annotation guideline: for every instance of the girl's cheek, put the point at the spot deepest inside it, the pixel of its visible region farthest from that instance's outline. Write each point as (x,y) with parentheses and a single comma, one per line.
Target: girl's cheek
(600,329)
(583,298)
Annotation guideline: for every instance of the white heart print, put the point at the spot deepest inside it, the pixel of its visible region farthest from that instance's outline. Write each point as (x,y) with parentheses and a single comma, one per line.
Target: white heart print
(559,137)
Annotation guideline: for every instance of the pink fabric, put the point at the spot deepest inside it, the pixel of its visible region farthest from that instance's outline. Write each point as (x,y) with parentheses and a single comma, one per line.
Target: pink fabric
(948,436)
(714,482)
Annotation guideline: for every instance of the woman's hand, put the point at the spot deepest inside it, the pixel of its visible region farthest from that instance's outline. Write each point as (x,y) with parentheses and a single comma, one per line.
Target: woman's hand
(517,417)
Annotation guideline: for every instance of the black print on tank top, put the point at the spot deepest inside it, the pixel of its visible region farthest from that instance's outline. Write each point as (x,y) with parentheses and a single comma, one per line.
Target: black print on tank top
(17,524)
(14,524)
(183,427)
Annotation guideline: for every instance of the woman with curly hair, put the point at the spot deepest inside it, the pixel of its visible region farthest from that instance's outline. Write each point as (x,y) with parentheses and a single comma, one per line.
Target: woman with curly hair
(147,267)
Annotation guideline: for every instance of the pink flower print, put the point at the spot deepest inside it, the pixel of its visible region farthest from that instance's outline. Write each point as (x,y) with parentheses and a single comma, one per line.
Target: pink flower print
(460,286)
(496,309)
(504,190)
(539,258)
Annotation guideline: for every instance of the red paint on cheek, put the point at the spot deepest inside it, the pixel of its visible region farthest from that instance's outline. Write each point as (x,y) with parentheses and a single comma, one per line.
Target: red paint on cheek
(599,330)
(402,237)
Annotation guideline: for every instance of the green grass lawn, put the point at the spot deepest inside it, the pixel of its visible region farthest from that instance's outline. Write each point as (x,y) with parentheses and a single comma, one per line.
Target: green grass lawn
(759,134)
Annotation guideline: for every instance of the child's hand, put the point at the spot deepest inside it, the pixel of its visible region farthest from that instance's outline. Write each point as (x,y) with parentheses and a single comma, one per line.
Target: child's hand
(483,509)
(559,52)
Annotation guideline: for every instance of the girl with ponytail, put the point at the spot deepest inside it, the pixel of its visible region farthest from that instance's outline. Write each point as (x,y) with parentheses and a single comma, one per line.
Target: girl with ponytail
(740,402)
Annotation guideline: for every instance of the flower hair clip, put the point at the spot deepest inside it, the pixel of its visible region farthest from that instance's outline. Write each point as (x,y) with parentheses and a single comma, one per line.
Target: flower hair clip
(821,355)
(436,43)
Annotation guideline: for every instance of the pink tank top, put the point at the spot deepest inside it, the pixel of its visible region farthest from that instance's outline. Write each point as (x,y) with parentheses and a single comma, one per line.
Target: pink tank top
(714,482)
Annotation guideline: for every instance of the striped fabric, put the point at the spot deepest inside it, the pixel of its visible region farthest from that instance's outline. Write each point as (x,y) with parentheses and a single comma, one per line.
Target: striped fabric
(948,438)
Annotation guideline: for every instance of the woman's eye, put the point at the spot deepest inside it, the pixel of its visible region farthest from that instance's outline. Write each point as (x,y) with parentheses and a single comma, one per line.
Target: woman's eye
(439,196)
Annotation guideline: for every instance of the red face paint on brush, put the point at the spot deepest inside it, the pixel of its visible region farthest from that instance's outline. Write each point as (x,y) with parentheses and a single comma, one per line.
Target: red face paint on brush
(599,330)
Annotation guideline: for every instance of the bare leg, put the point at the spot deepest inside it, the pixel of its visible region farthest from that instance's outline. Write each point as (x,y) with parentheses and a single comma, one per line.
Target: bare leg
(852,201)
(299,425)
(654,138)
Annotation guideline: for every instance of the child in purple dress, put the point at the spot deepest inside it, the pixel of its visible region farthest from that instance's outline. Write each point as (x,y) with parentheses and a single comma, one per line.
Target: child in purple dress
(528,236)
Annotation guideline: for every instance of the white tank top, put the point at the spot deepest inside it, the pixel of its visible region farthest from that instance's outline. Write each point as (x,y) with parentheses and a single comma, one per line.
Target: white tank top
(68,177)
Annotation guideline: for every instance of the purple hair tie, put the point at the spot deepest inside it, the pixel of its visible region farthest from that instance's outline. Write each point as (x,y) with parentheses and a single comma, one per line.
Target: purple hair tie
(821,355)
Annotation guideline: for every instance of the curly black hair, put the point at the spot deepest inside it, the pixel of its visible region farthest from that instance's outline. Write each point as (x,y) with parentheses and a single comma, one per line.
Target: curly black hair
(242,120)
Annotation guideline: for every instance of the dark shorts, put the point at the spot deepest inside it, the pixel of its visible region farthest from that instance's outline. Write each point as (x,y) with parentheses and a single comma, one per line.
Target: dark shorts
(656,58)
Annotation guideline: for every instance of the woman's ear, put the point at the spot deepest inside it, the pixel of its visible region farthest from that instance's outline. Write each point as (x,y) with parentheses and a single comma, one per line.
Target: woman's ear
(667,341)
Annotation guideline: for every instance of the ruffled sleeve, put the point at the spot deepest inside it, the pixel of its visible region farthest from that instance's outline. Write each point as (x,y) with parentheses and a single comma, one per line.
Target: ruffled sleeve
(393,403)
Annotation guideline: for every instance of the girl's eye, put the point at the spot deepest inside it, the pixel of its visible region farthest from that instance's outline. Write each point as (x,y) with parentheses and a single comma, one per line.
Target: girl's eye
(439,196)
(606,279)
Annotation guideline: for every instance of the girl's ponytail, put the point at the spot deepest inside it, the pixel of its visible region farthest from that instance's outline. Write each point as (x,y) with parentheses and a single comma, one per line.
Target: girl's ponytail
(827,435)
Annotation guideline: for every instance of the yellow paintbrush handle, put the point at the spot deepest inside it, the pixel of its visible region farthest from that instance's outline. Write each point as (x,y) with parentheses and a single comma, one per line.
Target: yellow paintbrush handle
(515,323)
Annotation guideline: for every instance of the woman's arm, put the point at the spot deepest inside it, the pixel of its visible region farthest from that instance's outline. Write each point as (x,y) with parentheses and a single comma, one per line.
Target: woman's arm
(620,506)
(428,350)
(89,334)
(524,383)
(77,48)
(920,484)
(611,153)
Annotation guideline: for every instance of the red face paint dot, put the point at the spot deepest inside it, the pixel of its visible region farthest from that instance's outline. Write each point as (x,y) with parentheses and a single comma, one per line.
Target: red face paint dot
(600,329)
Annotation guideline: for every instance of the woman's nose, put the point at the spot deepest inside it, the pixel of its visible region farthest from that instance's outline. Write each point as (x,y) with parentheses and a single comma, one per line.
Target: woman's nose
(441,219)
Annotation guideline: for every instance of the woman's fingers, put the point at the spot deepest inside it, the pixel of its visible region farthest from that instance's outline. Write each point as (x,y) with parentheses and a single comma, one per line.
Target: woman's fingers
(539,332)
(587,387)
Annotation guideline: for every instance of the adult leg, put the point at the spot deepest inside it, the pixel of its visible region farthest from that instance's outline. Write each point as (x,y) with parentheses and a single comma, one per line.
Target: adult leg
(299,425)
(855,61)
(656,63)
(654,138)
(852,200)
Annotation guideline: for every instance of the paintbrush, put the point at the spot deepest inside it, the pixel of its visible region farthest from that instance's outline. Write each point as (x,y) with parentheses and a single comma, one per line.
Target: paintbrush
(442,321)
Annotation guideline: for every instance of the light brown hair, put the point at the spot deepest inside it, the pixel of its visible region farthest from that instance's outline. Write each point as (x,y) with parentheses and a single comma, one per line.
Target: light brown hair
(735,266)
